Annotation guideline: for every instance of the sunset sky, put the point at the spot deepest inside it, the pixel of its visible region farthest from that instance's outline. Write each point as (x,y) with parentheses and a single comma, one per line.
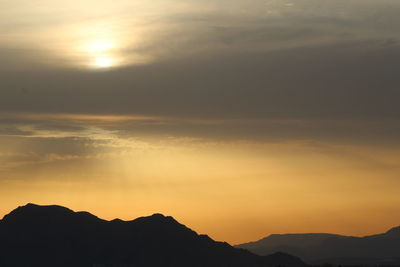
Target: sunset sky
(239,118)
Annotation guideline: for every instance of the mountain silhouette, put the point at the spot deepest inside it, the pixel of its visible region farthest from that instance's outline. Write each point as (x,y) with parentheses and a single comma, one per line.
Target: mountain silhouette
(34,236)
(334,249)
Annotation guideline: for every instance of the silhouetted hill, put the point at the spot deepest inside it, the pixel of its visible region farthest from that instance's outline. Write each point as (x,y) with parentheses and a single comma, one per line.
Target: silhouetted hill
(283,259)
(335,249)
(55,236)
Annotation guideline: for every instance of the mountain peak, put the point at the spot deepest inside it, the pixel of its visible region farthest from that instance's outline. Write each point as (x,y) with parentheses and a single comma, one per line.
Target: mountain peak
(394,231)
(31,213)
(33,210)
(158,216)
(30,205)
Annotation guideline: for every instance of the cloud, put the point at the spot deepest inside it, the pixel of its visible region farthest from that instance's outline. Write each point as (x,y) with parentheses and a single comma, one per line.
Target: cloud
(342,81)
(11,130)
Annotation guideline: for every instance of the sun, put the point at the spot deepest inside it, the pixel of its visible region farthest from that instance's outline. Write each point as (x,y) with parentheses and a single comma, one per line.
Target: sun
(104,62)
(101,53)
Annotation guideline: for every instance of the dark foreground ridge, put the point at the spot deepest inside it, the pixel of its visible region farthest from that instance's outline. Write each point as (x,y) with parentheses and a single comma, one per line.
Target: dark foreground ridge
(380,249)
(56,236)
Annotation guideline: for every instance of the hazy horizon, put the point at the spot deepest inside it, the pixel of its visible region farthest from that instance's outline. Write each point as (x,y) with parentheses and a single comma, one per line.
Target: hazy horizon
(238,118)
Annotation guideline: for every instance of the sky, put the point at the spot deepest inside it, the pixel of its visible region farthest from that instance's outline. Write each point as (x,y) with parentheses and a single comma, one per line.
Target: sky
(238,118)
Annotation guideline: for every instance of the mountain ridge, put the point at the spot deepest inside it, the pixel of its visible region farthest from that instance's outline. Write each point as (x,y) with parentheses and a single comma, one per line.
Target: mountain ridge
(57,236)
(318,248)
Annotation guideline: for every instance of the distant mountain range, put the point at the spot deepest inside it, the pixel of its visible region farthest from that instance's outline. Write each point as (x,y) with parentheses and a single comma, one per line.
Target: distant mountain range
(382,249)
(44,236)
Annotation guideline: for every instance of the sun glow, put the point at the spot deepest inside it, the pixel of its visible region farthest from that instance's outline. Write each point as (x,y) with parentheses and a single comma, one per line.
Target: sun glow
(103,45)
(100,46)
(104,62)
(102,53)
